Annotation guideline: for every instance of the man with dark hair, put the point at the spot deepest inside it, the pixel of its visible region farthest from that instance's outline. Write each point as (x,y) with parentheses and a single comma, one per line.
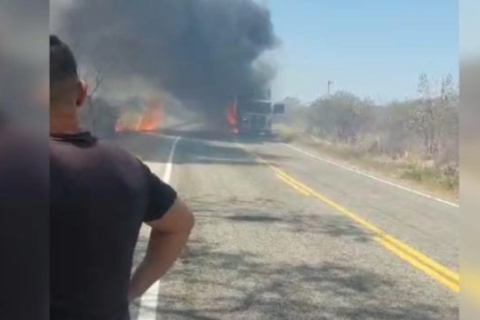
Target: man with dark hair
(24,209)
(100,195)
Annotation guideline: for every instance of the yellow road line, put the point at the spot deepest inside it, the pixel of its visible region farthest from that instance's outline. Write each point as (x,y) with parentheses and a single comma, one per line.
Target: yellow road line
(451,284)
(293,183)
(299,189)
(430,267)
(437,267)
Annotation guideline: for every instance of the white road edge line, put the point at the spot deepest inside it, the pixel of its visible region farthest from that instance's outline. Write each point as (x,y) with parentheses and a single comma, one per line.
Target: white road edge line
(372,176)
(149,300)
(169,166)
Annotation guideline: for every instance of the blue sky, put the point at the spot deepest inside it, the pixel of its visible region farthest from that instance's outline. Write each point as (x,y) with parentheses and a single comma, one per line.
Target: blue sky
(374,48)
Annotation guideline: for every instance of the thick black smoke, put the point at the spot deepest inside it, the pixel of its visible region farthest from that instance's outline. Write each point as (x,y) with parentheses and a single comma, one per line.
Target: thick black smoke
(205,51)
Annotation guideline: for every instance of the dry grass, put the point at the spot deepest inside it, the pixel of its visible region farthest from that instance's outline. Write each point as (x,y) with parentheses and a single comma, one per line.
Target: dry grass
(412,171)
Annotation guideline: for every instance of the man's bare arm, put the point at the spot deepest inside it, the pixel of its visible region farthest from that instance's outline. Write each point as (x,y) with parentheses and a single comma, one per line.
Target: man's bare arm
(168,237)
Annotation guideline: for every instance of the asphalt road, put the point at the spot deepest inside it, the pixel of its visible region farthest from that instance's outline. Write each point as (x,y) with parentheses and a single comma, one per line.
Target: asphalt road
(304,239)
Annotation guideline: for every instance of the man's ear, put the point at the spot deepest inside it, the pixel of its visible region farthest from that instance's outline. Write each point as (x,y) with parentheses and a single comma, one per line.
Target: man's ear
(82,93)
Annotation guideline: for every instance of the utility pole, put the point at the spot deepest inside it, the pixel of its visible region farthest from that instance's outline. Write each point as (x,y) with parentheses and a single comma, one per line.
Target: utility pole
(329,83)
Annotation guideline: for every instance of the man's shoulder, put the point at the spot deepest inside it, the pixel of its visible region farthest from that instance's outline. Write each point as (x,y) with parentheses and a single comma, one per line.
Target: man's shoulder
(86,141)
(86,150)
(114,150)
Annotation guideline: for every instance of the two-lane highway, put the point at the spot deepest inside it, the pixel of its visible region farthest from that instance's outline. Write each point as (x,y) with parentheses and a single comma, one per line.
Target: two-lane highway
(283,235)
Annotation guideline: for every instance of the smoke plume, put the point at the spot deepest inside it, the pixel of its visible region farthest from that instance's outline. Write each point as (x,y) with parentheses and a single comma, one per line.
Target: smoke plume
(203,52)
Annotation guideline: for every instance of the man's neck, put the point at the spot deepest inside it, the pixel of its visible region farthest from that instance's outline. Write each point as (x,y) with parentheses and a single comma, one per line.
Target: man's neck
(64,122)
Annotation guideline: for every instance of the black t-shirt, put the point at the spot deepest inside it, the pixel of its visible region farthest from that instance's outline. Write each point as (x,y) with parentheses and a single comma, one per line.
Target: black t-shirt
(100,195)
(24,283)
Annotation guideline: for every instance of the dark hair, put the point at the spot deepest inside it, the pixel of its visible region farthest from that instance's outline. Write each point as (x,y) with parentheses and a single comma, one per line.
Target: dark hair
(62,62)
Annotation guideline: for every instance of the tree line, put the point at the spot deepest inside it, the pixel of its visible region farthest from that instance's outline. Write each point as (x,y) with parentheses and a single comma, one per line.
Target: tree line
(425,127)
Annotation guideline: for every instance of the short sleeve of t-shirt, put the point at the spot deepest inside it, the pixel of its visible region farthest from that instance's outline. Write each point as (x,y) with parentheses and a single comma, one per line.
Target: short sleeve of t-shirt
(161,196)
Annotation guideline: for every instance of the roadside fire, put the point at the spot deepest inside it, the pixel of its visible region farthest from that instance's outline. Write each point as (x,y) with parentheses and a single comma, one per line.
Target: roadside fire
(231,117)
(151,119)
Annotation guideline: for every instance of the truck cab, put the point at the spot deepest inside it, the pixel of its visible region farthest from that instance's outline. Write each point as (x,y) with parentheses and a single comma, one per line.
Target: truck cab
(256,117)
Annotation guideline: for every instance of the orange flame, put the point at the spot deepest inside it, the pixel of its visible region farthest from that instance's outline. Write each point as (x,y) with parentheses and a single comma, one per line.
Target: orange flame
(151,120)
(231,116)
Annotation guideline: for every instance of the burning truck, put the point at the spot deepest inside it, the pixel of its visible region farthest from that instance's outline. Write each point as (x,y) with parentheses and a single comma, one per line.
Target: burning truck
(253,117)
